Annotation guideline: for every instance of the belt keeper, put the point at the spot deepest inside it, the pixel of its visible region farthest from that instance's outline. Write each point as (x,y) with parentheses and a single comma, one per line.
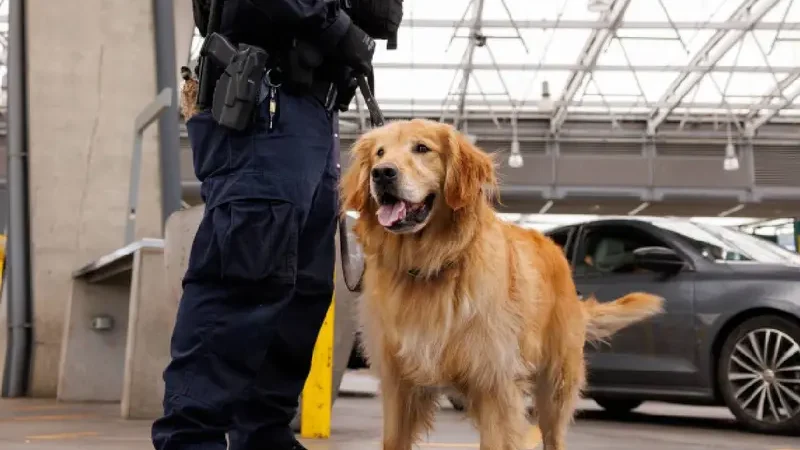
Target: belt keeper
(330,97)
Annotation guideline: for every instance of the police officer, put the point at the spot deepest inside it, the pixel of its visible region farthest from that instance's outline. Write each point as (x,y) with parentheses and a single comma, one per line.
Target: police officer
(260,274)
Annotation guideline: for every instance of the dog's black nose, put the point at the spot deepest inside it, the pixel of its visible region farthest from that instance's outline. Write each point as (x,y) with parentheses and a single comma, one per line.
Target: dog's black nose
(384,173)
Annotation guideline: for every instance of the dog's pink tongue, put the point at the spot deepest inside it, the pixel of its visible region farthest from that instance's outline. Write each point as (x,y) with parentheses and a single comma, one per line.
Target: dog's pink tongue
(388,215)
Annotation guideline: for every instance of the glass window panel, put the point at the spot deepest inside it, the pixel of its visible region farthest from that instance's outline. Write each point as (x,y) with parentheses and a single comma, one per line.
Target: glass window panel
(551,10)
(564,47)
(705,92)
(784,11)
(506,51)
(646,33)
(655,84)
(525,10)
(751,84)
(614,83)
(426,9)
(423,45)
(785,53)
(411,84)
(424,91)
(640,52)
(693,40)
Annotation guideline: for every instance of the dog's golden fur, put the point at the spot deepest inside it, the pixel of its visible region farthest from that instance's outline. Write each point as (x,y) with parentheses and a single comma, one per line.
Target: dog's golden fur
(468,302)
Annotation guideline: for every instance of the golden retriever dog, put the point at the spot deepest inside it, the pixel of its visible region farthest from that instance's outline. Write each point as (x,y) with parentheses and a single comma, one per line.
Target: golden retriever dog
(454,297)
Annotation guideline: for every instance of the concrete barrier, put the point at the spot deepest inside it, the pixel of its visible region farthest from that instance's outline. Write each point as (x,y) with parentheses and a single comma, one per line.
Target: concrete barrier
(116,333)
(121,314)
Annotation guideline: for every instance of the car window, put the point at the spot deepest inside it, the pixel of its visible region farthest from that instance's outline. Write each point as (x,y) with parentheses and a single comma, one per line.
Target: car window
(561,237)
(606,249)
(721,244)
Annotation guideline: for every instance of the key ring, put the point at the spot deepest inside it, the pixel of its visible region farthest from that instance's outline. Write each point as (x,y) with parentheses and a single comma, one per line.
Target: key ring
(269,80)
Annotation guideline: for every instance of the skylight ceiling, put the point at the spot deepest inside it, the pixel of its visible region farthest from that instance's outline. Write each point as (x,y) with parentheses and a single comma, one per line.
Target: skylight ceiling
(645,58)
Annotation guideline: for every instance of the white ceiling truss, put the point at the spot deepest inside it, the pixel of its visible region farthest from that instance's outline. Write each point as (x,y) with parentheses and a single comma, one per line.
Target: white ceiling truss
(661,63)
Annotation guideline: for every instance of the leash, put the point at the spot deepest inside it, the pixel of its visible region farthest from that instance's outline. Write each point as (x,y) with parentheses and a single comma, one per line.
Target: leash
(353,277)
(375,114)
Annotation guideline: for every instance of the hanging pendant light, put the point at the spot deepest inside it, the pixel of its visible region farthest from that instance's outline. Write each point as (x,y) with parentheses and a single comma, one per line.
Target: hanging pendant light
(598,6)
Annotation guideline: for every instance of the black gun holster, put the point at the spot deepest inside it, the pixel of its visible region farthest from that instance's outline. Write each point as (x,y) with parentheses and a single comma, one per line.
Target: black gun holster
(237,91)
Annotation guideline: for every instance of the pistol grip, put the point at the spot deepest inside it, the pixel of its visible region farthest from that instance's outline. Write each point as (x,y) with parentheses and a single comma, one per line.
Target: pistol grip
(219,49)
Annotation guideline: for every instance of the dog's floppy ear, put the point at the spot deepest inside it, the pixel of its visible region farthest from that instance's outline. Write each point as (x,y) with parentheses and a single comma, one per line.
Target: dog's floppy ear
(469,172)
(354,186)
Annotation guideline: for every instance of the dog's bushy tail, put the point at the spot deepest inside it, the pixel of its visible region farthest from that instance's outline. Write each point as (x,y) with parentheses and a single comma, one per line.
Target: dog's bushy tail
(605,319)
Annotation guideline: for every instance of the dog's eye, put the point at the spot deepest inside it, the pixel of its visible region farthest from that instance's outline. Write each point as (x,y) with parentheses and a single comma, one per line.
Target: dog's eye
(421,148)
(379,152)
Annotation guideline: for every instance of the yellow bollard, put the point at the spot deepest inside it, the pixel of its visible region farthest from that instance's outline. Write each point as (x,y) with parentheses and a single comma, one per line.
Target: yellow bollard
(317,399)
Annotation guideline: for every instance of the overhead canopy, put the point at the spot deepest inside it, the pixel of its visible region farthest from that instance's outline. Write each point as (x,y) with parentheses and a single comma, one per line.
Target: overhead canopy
(648,59)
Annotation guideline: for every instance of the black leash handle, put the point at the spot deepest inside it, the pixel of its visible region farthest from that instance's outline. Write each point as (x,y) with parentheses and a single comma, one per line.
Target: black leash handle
(352,280)
(375,114)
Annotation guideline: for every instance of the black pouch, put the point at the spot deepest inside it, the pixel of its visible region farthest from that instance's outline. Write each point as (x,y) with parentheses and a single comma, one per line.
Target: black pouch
(299,64)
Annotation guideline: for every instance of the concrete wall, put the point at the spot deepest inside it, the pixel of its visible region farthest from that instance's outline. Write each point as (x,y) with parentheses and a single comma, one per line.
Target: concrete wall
(91,71)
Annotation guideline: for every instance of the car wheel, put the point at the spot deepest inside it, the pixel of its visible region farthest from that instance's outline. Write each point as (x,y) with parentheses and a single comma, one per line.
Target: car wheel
(357,360)
(457,402)
(759,374)
(618,406)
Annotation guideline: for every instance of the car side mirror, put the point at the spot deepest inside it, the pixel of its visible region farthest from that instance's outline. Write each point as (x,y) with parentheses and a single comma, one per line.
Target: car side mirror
(658,259)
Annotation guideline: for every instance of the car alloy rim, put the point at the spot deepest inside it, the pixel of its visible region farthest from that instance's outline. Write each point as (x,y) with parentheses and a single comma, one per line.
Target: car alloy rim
(764,372)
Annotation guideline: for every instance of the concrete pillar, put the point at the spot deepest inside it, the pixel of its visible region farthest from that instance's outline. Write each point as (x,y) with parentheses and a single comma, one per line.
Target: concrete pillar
(91,71)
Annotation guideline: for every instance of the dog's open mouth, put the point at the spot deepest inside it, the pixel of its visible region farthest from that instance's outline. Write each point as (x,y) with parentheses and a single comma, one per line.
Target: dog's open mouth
(396,213)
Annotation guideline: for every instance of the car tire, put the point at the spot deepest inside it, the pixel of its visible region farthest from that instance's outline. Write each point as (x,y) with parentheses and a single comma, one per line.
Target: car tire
(357,360)
(618,406)
(457,402)
(756,356)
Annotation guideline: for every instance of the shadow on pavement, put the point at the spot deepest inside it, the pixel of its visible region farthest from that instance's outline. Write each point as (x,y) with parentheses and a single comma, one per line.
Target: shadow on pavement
(709,423)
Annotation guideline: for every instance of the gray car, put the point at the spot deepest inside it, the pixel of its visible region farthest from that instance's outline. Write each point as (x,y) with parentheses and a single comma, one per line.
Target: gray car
(730,334)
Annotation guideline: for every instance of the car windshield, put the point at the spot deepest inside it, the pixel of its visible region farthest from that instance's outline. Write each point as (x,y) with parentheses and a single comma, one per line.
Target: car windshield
(724,244)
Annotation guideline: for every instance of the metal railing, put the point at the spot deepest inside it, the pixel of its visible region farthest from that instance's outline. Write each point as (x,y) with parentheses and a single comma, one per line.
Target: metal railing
(149,114)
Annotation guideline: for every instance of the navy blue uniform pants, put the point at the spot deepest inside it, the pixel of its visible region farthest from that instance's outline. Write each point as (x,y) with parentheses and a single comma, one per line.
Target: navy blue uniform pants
(259,281)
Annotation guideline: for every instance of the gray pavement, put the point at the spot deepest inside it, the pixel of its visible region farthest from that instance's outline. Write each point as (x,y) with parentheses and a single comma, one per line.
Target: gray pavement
(47,425)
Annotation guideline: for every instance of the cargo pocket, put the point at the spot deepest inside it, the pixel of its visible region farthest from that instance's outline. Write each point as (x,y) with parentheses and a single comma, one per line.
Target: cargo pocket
(259,240)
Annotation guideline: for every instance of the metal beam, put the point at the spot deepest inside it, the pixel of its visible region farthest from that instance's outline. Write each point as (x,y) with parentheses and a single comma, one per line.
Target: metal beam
(612,104)
(475,31)
(710,54)
(599,25)
(556,67)
(755,123)
(591,51)
(777,91)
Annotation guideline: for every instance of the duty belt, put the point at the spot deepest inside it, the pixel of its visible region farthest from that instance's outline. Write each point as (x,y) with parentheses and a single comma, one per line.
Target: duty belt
(324,91)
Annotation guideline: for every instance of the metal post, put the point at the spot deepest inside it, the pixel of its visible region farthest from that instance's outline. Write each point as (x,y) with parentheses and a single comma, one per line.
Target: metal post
(20,310)
(168,125)
(797,235)
(149,114)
